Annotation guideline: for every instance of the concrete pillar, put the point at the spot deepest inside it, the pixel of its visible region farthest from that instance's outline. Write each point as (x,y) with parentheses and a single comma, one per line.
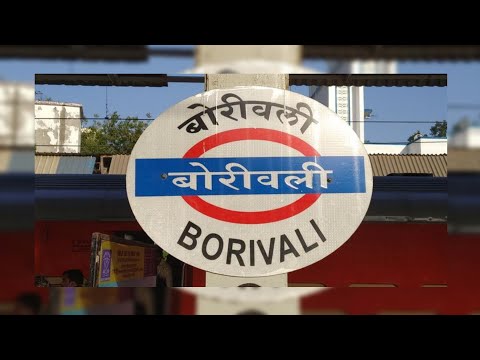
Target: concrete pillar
(358,111)
(225,81)
(207,306)
(224,54)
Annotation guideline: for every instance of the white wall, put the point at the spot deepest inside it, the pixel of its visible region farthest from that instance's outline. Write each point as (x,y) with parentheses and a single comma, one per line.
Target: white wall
(473,140)
(420,147)
(427,146)
(468,138)
(16,114)
(384,149)
(57,127)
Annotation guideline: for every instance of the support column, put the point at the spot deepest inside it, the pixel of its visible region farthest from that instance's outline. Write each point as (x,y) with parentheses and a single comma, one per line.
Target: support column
(225,81)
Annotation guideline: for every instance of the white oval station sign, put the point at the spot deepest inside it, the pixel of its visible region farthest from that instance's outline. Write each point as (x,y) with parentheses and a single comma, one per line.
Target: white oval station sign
(249,181)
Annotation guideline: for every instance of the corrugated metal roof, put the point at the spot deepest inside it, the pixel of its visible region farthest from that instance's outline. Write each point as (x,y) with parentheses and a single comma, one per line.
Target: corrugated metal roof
(45,164)
(464,160)
(119,164)
(22,161)
(16,160)
(76,165)
(5,156)
(384,165)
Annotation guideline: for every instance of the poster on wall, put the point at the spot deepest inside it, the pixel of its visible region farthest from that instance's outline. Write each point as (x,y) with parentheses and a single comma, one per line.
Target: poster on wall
(116,262)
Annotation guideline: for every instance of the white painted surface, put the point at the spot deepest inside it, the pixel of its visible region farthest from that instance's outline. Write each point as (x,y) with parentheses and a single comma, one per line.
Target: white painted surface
(57,127)
(384,149)
(427,146)
(423,146)
(468,138)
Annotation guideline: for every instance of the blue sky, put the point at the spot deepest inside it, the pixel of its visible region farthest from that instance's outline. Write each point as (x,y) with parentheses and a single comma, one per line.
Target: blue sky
(388,103)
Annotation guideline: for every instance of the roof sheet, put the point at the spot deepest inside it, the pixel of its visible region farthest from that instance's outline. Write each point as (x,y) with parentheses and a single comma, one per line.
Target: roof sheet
(46,164)
(119,164)
(384,165)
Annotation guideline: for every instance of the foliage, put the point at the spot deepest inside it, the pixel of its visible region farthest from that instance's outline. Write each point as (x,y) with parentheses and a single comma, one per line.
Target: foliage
(112,136)
(439,129)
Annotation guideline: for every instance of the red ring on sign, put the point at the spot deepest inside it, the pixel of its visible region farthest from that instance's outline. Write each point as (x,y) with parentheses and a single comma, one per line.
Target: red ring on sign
(250,217)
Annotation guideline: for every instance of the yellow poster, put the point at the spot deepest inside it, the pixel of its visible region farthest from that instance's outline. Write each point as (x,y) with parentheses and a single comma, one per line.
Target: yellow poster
(120,263)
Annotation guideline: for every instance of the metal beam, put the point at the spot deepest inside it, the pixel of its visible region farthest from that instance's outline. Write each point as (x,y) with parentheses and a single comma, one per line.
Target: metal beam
(154,80)
(76,52)
(369,79)
(328,52)
(160,80)
(137,80)
(393,52)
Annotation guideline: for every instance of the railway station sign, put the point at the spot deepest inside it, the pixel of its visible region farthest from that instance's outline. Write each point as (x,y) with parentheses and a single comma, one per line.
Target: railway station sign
(249,181)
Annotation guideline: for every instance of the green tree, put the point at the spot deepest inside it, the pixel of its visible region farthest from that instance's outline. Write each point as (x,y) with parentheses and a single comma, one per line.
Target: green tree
(112,136)
(439,129)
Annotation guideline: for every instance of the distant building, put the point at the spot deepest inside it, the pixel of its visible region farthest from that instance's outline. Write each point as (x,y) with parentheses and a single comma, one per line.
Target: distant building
(346,101)
(468,137)
(349,101)
(57,127)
